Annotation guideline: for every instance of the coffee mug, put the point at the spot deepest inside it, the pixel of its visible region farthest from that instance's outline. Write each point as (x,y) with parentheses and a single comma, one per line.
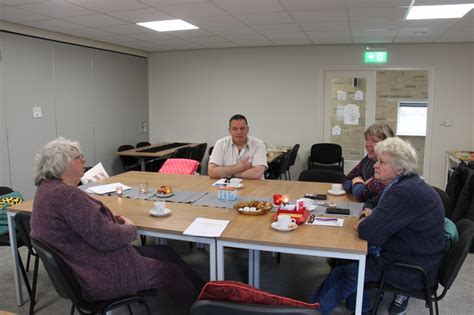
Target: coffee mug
(159,207)
(336,188)
(285,221)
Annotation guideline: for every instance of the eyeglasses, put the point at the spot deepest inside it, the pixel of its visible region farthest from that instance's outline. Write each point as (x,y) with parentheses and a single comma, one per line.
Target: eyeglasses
(79,156)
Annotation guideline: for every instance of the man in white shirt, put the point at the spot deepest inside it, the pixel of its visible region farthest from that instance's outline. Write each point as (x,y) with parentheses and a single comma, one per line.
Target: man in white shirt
(238,154)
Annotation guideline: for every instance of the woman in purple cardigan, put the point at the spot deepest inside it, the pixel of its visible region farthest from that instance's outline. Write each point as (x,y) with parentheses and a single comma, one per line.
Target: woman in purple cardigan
(360,181)
(95,242)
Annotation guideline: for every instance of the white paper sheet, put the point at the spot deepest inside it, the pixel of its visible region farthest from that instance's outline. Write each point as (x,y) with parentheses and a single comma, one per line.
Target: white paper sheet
(96,173)
(327,221)
(341,95)
(351,114)
(206,227)
(221,182)
(105,189)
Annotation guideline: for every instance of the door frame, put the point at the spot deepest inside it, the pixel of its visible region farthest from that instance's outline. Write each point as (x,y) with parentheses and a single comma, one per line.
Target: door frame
(430,100)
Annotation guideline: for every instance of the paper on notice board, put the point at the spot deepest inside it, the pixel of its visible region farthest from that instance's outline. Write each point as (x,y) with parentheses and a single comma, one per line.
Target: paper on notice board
(341,95)
(336,131)
(359,95)
(206,227)
(351,114)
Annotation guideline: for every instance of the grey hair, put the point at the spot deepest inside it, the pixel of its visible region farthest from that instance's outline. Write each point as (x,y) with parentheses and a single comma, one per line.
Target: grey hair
(380,131)
(402,155)
(54,158)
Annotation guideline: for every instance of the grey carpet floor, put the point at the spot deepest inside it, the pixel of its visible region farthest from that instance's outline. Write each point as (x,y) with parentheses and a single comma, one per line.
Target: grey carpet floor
(295,276)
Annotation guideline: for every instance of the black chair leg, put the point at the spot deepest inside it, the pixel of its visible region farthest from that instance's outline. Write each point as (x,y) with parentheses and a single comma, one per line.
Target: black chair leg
(143,239)
(33,291)
(28,261)
(72,309)
(147,307)
(129,309)
(377,301)
(23,273)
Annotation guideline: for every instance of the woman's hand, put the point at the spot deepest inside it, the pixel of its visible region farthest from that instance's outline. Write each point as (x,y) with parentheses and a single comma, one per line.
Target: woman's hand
(122,219)
(357,180)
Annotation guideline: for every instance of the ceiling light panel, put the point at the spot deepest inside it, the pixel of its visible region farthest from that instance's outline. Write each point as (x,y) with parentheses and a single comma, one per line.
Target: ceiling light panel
(168,25)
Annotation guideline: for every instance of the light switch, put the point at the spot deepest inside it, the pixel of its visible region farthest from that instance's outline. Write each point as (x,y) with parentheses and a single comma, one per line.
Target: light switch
(37,112)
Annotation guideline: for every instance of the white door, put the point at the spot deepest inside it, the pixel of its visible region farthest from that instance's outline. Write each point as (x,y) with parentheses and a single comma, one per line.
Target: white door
(349,108)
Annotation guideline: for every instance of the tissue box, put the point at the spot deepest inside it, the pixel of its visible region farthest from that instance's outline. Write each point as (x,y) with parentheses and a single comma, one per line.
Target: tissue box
(227,193)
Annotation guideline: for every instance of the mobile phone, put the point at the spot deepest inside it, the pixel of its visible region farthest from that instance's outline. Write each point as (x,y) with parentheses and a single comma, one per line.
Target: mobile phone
(316,196)
(344,211)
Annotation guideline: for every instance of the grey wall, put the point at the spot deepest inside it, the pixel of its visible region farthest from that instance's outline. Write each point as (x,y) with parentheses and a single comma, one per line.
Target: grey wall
(281,91)
(96,97)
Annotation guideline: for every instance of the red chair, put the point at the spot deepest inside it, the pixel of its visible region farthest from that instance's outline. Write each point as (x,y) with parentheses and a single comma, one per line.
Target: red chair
(179,166)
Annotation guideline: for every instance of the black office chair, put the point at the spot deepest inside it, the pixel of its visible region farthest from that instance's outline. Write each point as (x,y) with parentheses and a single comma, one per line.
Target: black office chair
(294,153)
(326,156)
(448,271)
(210,150)
(282,165)
(198,153)
(143,144)
(183,153)
(320,175)
(22,222)
(129,163)
(448,210)
(65,283)
(206,307)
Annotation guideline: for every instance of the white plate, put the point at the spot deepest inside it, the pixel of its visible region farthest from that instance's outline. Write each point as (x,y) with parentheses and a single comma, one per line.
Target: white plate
(153,213)
(339,193)
(164,195)
(277,227)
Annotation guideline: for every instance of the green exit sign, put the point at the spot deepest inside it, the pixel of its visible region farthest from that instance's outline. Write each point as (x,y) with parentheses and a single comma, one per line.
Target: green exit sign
(375,56)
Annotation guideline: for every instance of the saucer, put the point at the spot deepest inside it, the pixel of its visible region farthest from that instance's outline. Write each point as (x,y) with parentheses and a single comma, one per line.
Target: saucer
(277,227)
(153,213)
(339,193)
(164,195)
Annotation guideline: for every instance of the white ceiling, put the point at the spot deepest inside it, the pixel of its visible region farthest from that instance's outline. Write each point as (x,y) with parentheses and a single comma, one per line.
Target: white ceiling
(239,23)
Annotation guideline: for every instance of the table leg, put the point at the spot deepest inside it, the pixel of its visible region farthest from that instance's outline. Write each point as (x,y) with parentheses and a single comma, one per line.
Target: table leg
(213,260)
(220,260)
(15,261)
(360,285)
(254,267)
(141,160)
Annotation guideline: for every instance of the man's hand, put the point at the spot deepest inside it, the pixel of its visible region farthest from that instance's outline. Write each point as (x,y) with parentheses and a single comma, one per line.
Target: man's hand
(244,165)
(357,179)
(363,215)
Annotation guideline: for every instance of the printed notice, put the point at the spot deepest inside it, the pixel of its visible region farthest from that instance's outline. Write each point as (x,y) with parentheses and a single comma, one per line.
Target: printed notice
(351,114)
(341,95)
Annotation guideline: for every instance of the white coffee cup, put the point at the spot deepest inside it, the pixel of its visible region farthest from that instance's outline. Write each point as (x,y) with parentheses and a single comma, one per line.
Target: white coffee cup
(159,207)
(285,221)
(234,182)
(336,188)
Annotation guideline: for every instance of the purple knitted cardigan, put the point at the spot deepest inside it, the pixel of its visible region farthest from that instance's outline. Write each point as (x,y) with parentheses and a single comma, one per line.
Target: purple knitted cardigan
(93,244)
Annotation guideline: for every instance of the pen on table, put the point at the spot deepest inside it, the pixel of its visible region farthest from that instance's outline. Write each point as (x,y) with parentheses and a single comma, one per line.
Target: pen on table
(326,219)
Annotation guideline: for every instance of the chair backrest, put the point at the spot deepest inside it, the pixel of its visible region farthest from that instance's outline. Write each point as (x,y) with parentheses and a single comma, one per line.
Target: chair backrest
(321,175)
(294,153)
(284,162)
(183,153)
(448,210)
(326,153)
(143,144)
(210,150)
(126,160)
(60,274)
(207,307)
(455,257)
(22,222)
(198,152)
(5,190)
(179,166)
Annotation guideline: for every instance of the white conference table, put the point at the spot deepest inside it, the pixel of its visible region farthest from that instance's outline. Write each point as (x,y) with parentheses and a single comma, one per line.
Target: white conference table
(247,232)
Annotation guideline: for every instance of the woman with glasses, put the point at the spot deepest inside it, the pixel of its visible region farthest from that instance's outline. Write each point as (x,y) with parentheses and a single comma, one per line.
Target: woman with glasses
(94,241)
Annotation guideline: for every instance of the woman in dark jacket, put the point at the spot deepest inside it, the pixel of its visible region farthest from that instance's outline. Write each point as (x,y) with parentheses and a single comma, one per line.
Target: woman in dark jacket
(406,226)
(95,242)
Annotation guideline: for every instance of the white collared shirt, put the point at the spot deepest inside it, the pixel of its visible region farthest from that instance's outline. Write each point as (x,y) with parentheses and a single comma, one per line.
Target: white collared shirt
(226,153)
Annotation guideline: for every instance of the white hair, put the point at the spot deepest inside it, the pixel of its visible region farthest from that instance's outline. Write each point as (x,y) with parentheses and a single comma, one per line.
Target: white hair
(402,155)
(54,158)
